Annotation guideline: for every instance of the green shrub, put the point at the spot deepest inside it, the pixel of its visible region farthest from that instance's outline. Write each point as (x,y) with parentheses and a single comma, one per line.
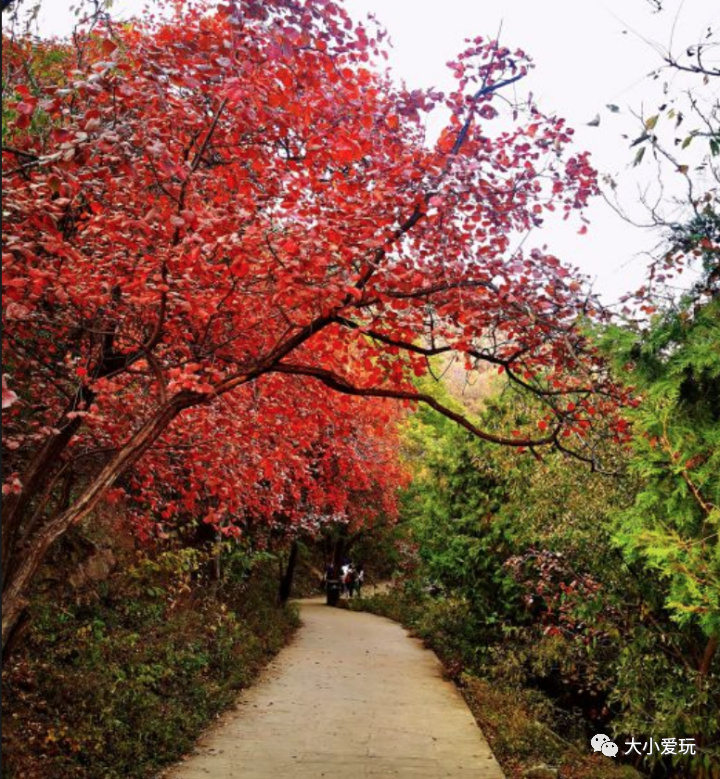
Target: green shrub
(123,684)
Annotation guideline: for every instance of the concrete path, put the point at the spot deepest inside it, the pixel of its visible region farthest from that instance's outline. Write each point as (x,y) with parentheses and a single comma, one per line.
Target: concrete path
(353,697)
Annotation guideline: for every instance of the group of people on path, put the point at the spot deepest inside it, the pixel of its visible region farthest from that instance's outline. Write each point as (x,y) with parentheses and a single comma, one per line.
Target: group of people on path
(350,577)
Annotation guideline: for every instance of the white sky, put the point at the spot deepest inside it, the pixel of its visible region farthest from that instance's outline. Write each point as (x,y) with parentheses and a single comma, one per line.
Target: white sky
(588,53)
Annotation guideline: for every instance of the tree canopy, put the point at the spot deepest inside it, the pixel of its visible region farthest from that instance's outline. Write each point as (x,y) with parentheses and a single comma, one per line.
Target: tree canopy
(229,210)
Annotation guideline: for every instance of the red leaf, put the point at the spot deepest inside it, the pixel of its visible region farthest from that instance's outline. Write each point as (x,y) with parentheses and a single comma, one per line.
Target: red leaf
(26,107)
(8,396)
(108,46)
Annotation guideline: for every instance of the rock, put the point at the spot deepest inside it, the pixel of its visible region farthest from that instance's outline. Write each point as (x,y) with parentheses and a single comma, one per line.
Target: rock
(97,568)
(100,565)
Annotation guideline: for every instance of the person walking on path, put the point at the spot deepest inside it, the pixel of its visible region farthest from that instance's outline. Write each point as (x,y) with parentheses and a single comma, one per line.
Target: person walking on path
(344,568)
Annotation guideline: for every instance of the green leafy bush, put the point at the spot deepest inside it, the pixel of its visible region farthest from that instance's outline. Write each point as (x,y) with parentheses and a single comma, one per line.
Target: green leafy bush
(123,683)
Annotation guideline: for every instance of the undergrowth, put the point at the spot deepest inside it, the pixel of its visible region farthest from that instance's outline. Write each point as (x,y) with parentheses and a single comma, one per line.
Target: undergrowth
(117,685)
(522,725)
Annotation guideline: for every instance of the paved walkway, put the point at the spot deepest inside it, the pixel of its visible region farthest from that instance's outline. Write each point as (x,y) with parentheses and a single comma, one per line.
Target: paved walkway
(353,697)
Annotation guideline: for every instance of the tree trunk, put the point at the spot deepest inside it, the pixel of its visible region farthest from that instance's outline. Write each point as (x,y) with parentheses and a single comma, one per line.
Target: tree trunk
(343,545)
(33,554)
(287,580)
(34,479)
(338,555)
(707,658)
(703,670)
(217,554)
(42,467)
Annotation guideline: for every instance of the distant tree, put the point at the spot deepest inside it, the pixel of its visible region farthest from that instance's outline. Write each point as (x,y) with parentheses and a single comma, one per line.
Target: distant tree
(680,138)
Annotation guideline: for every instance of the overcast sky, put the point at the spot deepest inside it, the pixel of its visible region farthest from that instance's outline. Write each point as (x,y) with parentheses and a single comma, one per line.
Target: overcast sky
(588,53)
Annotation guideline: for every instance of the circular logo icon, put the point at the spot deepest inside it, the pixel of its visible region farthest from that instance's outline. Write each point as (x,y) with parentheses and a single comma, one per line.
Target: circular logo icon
(596,742)
(609,749)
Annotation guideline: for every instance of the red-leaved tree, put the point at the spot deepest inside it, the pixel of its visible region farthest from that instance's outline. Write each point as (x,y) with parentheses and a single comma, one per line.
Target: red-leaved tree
(235,213)
(272,456)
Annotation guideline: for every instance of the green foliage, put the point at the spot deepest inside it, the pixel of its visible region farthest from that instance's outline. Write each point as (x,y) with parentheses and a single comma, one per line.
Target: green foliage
(670,530)
(699,236)
(658,690)
(672,526)
(123,684)
(538,575)
(453,504)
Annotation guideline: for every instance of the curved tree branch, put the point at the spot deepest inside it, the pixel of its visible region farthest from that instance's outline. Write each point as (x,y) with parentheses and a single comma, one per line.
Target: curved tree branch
(505,363)
(340,384)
